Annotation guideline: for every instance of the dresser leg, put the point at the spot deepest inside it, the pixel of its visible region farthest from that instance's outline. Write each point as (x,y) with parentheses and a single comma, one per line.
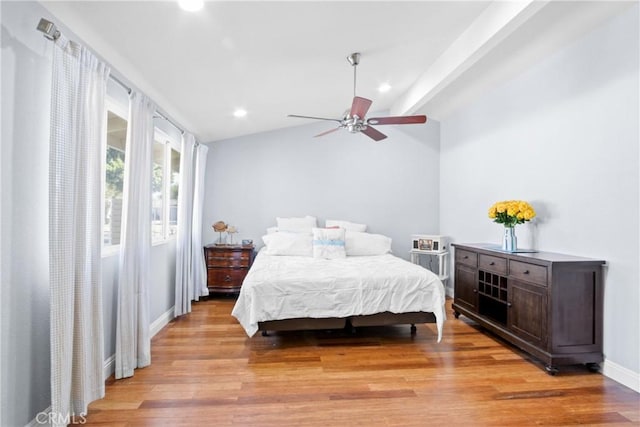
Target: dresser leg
(551,370)
(593,367)
(265,333)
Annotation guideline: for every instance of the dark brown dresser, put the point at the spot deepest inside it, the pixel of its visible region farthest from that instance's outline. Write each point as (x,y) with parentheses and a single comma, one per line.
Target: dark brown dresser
(547,304)
(227,265)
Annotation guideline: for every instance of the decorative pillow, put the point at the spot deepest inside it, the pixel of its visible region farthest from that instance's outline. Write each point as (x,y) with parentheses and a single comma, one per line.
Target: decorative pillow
(349,226)
(297,225)
(293,244)
(366,244)
(329,243)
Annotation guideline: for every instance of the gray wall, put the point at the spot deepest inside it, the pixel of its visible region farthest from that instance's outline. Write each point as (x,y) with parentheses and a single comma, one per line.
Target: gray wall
(24,267)
(26,95)
(392,185)
(563,135)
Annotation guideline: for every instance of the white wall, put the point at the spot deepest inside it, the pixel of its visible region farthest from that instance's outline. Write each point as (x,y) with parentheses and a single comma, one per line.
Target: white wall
(26,89)
(564,136)
(24,313)
(392,185)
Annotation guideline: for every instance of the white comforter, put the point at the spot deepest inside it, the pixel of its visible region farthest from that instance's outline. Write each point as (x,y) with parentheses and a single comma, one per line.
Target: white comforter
(288,287)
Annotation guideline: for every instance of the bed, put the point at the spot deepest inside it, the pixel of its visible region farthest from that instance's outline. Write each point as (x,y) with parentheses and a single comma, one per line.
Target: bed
(283,292)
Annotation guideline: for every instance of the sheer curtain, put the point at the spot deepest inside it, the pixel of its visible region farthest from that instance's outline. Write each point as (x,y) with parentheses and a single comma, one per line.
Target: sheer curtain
(190,267)
(75,182)
(199,267)
(133,341)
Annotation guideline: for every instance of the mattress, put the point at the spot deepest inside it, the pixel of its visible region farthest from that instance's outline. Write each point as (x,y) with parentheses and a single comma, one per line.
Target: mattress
(290,287)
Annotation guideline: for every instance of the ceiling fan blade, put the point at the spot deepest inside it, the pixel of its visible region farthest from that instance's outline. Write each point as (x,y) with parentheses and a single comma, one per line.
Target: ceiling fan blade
(397,120)
(326,132)
(374,134)
(360,106)
(315,118)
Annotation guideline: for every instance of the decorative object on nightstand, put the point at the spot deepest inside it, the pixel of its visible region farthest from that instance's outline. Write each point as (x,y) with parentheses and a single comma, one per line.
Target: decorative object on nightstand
(227,266)
(231,230)
(426,245)
(219,227)
(511,213)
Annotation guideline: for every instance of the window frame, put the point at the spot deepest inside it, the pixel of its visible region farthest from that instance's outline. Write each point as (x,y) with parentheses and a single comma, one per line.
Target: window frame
(169,144)
(118,108)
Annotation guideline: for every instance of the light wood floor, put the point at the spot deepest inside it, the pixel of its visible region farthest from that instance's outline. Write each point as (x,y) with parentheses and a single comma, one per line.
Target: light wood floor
(206,371)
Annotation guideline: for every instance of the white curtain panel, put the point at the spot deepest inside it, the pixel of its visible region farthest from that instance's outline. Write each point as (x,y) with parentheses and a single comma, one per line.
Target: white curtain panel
(133,341)
(75,182)
(199,266)
(191,283)
(185,292)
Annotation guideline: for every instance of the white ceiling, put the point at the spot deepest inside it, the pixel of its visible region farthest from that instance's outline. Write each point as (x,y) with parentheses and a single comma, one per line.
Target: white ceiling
(279,58)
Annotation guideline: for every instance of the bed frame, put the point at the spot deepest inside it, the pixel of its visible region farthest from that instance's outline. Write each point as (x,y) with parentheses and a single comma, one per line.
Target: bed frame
(352,322)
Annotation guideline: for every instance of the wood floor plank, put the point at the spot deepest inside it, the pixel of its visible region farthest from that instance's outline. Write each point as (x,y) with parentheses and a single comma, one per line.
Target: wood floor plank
(206,371)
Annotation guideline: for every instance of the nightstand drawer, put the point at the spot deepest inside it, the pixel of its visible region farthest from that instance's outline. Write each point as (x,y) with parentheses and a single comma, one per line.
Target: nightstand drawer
(238,259)
(466,257)
(529,272)
(226,277)
(492,263)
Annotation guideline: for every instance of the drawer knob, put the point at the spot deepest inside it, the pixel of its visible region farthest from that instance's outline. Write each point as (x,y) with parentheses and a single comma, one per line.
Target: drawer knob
(466,257)
(227,278)
(508,304)
(492,263)
(526,272)
(475,291)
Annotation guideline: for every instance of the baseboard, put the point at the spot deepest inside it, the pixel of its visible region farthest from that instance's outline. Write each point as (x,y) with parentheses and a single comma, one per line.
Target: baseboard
(154,328)
(622,375)
(41,420)
(109,366)
(448,291)
(161,322)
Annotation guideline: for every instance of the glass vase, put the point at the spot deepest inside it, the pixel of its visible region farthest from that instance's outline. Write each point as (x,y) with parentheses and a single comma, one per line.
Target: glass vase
(509,241)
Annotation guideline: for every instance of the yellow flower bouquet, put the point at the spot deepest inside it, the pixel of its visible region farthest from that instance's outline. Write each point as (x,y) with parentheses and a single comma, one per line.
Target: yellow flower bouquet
(511,212)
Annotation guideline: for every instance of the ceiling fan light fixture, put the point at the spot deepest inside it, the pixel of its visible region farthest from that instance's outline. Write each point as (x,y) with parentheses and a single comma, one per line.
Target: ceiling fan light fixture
(191,5)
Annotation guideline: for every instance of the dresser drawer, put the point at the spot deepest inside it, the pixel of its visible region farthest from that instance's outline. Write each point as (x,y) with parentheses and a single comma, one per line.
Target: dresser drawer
(466,257)
(529,272)
(226,277)
(492,263)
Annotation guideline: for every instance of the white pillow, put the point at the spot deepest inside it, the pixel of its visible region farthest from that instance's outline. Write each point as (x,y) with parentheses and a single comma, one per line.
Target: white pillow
(349,226)
(329,243)
(293,244)
(366,244)
(272,230)
(297,225)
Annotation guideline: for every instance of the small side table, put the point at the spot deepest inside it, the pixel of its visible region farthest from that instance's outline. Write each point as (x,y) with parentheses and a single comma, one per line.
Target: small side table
(227,265)
(443,261)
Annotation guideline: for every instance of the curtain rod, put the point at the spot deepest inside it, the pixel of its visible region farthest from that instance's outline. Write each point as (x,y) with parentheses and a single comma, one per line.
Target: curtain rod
(51,32)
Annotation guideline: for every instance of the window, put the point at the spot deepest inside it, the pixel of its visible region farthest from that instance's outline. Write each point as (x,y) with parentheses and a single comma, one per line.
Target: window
(164,188)
(113,176)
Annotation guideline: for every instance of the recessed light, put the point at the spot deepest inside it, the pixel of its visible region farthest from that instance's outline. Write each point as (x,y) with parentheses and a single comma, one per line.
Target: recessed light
(384,87)
(191,5)
(240,112)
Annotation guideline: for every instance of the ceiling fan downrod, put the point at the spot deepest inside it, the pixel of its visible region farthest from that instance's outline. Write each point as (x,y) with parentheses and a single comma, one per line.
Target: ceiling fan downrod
(354,60)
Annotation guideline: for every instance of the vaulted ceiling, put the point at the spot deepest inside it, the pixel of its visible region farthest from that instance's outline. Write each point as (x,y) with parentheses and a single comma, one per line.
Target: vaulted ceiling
(289,57)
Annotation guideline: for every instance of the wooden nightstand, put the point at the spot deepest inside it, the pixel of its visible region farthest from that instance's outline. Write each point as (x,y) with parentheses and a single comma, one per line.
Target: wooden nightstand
(227,265)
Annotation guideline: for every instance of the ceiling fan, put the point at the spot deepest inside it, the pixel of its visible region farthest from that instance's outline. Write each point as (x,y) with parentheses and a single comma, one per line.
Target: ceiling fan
(354,120)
